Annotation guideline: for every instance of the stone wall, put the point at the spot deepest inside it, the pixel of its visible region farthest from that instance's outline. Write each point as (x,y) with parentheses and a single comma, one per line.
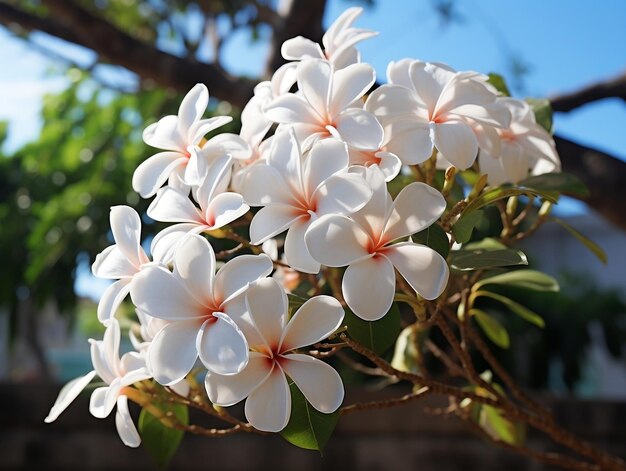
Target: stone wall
(398,439)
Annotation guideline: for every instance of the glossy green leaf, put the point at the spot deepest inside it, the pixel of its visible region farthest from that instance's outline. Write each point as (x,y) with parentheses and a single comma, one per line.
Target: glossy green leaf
(488,243)
(435,238)
(505,191)
(468,260)
(463,228)
(543,112)
(308,428)
(498,81)
(378,335)
(161,442)
(492,328)
(561,182)
(591,245)
(515,307)
(529,279)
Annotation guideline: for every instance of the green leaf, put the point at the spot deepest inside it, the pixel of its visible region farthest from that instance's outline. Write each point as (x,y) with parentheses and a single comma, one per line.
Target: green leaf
(561,182)
(498,81)
(468,260)
(591,245)
(160,441)
(543,112)
(407,350)
(505,191)
(499,427)
(487,244)
(435,238)
(491,327)
(529,279)
(308,428)
(463,228)
(295,302)
(377,335)
(515,307)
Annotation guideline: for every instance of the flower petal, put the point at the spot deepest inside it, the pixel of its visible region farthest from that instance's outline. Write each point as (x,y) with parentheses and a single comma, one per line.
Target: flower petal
(318,381)
(297,253)
(267,305)
(326,158)
(336,241)
(113,264)
(111,300)
(227,390)
(350,84)
(159,293)
(359,129)
(202,127)
(271,221)
(173,352)
(314,82)
(410,141)
(164,135)
(342,194)
(97,403)
(172,205)
(126,228)
(263,185)
(268,407)
(316,319)
(369,286)
(192,107)
(290,108)
(285,156)
(415,208)
(194,266)
(221,345)
(68,393)
(233,277)
(164,244)
(153,172)
(456,142)
(299,48)
(224,209)
(424,269)
(124,423)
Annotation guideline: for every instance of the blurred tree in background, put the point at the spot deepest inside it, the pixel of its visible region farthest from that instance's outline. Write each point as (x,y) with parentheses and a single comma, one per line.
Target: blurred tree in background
(55,193)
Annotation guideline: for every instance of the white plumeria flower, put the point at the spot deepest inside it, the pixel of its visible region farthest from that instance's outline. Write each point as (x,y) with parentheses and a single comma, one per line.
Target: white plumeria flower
(295,190)
(273,338)
(197,303)
(364,242)
(525,148)
(388,162)
(328,105)
(339,41)
(435,107)
(118,373)
(175,134)
(217,208)
(120,261)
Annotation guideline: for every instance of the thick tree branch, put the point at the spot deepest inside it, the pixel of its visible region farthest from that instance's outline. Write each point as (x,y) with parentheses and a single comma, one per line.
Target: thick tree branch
(73,23)
(298,18)
(613,88)
(604,175)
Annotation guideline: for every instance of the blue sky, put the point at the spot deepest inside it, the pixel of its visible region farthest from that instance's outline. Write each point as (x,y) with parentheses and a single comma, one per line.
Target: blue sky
(565,44)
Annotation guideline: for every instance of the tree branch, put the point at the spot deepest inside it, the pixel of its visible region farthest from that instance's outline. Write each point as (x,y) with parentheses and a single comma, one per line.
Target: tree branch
(604,175)
(613,88)
(75,24)
(297,18)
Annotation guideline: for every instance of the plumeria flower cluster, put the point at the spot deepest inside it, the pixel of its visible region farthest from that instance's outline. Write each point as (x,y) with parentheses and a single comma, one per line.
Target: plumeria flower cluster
(319,148)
